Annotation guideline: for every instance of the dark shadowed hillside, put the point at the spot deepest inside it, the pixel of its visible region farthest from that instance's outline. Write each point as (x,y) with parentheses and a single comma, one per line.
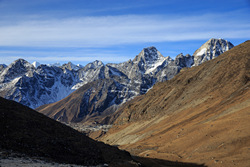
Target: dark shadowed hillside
(25,131)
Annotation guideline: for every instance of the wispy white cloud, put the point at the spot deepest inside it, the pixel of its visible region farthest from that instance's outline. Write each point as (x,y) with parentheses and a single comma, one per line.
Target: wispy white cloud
(117,30)
(77,57)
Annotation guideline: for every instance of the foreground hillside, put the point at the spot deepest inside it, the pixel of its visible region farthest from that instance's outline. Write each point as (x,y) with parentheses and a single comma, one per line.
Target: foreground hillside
(25,131)
(202,115)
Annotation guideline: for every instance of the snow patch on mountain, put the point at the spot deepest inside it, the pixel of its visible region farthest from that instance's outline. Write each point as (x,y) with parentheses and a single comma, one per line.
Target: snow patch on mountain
(78,85)
(153,66)
(36,64)
(201,52)
(210,50)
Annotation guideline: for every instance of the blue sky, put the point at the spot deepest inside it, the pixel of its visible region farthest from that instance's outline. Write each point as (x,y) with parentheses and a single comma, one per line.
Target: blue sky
(114,31)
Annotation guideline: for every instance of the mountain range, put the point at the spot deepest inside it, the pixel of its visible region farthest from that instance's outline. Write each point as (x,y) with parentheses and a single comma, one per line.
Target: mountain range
(103,87)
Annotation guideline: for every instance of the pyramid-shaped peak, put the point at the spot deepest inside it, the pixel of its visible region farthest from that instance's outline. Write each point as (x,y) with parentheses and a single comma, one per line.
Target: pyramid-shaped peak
(16,69)
(211,49)
(21,62)
(151,51)
(213,43)
(148,55)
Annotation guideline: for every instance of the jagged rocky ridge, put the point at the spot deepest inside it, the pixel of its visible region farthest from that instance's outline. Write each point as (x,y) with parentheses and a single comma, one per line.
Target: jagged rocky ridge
(36,86)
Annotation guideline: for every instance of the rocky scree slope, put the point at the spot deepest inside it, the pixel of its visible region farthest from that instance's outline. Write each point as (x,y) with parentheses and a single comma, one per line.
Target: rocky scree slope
(199,116)
(23,130)
(117,84)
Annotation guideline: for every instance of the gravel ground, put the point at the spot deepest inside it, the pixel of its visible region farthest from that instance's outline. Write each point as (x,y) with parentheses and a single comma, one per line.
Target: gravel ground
(9,159)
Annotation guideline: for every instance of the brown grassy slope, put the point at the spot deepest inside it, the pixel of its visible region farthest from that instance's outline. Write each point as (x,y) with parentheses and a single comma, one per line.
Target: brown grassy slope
(26,131)
(202,115)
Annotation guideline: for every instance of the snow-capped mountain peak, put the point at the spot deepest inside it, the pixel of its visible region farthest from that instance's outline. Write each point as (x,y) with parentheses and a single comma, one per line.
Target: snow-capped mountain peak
(210,50)
(149,59)
(148,55)
(16,69)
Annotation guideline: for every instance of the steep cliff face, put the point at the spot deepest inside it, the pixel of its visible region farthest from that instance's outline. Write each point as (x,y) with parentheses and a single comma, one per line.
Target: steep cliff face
(200,116)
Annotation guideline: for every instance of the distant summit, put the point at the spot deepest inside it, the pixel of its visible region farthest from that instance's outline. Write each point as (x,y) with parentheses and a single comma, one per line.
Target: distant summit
(16,69)
(149,55)
(149,59)
(210,50)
